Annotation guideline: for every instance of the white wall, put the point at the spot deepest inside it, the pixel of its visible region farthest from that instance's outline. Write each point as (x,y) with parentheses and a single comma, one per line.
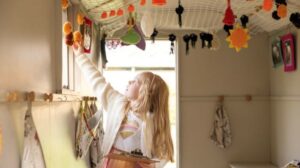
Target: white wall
(29,62)
(224,72)
(285,113)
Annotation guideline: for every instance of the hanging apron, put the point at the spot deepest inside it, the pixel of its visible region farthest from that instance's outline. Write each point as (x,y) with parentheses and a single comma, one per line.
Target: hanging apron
(221,133)
(32,154)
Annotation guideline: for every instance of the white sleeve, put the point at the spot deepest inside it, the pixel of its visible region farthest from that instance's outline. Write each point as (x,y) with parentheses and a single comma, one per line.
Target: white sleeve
(102,89)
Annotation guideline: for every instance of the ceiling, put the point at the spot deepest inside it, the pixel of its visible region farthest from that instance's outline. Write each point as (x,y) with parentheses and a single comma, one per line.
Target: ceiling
(201,15)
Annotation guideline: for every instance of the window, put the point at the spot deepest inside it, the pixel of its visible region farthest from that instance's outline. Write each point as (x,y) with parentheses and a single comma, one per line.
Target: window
(125,62)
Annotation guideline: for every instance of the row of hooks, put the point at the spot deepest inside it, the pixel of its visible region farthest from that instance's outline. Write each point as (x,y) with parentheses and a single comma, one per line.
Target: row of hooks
(15,96)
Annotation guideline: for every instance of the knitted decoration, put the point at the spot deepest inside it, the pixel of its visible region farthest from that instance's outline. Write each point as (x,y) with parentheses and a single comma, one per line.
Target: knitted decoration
(67,28)
(112,13)
(193,38)
(142,2)
(179,10)
(282,11)
(120,12)
(172,38)
(229,16)
(244,19)
(80,19)
(238,38)
(295,19)
(77,37)
(267,6)
(186,39)
(64,4)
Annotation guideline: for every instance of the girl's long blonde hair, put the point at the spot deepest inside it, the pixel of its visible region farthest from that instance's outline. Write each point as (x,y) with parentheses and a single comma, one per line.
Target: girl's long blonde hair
(154,98)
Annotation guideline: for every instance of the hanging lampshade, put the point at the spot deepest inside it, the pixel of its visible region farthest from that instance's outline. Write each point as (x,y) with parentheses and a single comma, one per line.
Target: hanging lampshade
(268,4)
(159,2)
(282,11)
(104,15)
(120,12)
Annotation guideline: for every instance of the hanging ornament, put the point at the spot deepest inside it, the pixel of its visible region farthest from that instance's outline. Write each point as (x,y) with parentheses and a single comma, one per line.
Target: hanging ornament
(172,38)
(112,13)
(229,16)
(282,11)
(186,39)
(227,29)
(193,38)
(147,25)
(179,10)
(131,37)
(206,39)
(295,19)
(120,12)
(131,8)
(268,4)
(104,15)
(80,19)
(142,43)
(64,4)
(67,28)
(244,19)
(275,15)
(103,51)
(159,2)
(77,37)
(69,39)
(238,38)
(153,35)
(142,2)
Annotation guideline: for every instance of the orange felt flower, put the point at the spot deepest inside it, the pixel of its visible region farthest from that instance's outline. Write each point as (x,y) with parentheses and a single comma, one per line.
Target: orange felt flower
(282,11)
(80,19)
(67,28)
(238,38)
(77,36)
(64,4)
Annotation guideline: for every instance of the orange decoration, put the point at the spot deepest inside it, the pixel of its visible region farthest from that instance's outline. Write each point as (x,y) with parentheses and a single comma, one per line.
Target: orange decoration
(104,15)
(159,2)
(67,28)
(80,19)
(120,12)
(69,39)
(238,38)
(77,37)
(282,11)
(64,4)
(131,8)
(143,2)
(112,13)
(268,4)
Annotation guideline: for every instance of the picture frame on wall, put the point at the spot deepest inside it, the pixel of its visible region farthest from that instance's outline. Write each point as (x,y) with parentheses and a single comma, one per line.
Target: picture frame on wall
(288,52)
(276,53)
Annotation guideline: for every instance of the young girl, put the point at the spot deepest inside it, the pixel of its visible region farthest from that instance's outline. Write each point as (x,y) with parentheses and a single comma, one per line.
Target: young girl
(137,120)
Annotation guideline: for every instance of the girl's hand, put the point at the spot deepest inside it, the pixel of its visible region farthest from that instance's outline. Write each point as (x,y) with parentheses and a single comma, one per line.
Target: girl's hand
(77,49)
(146,165)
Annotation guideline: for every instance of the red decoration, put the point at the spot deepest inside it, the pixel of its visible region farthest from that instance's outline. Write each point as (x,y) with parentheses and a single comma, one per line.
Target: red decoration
(104,15)
(229,16)
(112,13)
(267,6)
(120,12)
(159,2)
(130,8)
(143,2)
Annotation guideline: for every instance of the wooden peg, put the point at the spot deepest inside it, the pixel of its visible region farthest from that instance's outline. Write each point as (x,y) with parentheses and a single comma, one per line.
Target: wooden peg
(11,96)
(221,98)
(29,96)
(48,97)
(248,98)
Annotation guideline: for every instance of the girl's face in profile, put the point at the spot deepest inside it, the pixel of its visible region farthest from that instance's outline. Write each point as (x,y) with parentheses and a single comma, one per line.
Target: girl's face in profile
(132,89)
